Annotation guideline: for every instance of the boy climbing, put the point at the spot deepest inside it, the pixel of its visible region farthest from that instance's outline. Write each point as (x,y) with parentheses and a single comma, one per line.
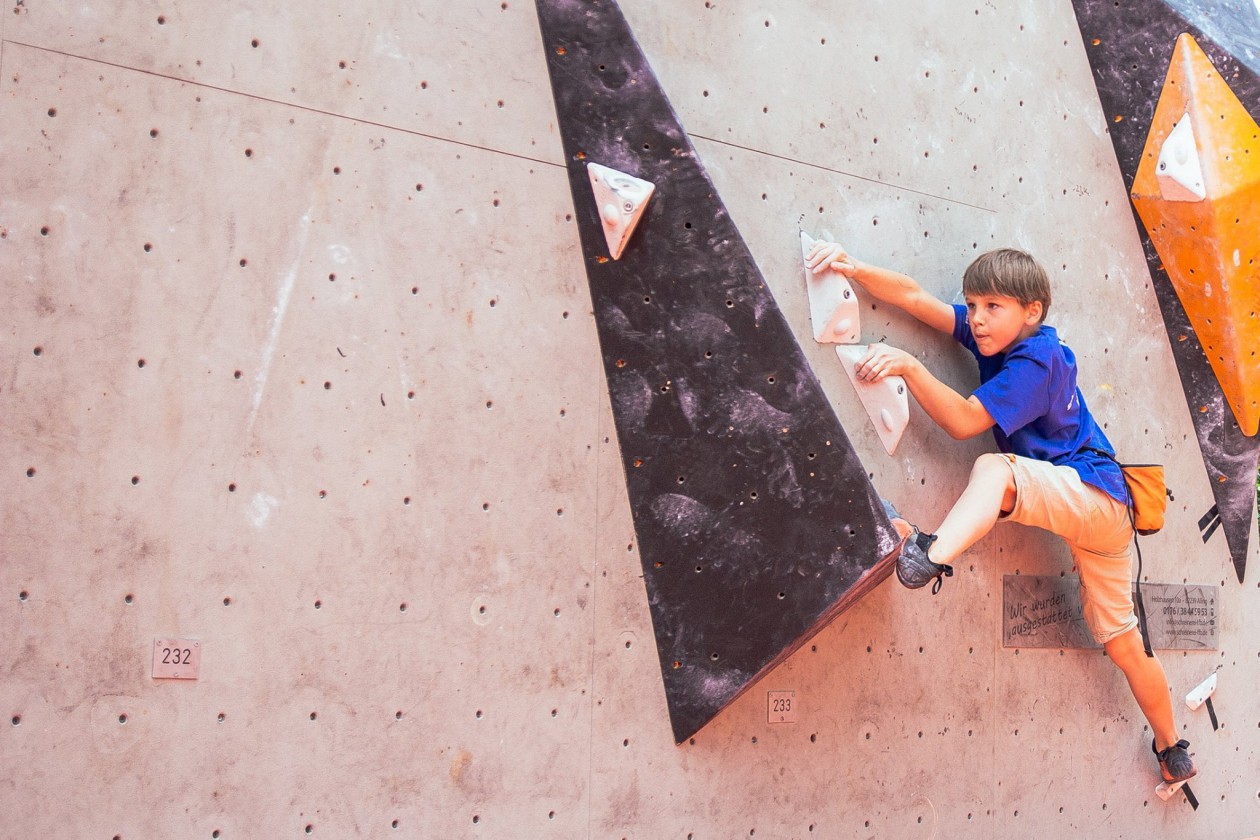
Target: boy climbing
(1052,471)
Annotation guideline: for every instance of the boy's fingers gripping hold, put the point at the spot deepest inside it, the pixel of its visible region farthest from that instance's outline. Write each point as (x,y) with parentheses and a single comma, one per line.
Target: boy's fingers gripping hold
(881,361)
(829,255)
(874,366)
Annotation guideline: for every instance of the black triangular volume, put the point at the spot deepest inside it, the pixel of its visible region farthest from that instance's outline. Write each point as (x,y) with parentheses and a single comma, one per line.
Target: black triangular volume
(756,521)
(1130,45)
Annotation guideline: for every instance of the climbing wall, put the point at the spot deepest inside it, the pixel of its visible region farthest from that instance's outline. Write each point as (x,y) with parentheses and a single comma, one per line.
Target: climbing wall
(302,375)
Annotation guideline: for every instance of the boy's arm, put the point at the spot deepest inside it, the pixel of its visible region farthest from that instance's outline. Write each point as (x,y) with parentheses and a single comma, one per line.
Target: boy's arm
(885,284)
(961,417)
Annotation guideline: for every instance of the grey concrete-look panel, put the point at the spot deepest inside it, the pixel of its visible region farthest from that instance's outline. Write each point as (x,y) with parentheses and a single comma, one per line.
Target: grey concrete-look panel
(375,468)
(466,72)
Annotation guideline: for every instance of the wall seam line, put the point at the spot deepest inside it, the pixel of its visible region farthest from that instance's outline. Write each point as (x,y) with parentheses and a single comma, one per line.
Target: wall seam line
(835,171)
(307,108)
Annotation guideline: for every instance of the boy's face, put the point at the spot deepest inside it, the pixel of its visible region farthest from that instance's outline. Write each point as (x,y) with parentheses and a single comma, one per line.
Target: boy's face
(999,322)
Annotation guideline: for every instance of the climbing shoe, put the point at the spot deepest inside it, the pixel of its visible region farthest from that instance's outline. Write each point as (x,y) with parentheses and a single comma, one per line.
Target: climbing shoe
(1175,763)
(914,569)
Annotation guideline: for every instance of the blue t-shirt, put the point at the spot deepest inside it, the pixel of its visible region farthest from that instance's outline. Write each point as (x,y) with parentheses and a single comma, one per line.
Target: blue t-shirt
(1030,392)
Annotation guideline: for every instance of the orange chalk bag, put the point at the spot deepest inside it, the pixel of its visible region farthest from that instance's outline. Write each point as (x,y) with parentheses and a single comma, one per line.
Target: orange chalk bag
(1148,496)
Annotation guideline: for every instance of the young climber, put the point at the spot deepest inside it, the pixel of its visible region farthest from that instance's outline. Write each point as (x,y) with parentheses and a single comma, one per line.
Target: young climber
(1052,471)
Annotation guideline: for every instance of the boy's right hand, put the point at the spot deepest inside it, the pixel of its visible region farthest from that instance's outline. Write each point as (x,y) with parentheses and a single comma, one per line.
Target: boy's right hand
(831,255)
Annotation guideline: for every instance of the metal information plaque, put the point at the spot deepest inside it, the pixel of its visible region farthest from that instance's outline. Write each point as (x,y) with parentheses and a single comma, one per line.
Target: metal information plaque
(1045,612)
(1182,616)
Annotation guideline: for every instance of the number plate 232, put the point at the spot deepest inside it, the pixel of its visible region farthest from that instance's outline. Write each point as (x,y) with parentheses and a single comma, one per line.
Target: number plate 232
(176,659)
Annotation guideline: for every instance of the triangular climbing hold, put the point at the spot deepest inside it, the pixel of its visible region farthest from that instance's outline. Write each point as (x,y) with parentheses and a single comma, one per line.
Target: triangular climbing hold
(833,306)
(1196,188)
(621,200)
(1179,170)
(885,401)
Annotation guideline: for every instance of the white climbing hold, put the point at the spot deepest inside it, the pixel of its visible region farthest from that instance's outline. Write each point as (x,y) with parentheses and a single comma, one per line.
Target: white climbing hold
(833,305)
(622,199)
(1201,692)
(1178,170)
(886,401)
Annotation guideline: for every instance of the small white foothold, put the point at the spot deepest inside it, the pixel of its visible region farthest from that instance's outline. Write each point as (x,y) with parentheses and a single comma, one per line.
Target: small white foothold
(1179,170)
(886,418)
(611,214)
(1201,692)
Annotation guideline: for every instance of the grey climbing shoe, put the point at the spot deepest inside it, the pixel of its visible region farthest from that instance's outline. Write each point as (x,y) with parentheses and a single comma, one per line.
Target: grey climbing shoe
(1175,763)
(914,569)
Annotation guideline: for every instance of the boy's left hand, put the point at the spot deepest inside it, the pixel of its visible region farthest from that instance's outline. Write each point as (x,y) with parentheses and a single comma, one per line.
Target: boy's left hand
(882,360)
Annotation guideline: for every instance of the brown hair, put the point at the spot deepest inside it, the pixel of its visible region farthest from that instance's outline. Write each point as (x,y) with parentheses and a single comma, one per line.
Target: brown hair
(1011,273)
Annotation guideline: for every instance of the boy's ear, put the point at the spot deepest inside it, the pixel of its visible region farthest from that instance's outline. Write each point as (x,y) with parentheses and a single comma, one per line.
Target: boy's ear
(1033,314)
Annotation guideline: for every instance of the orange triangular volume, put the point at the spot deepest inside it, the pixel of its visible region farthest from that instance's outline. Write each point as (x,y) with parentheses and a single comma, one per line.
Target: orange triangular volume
(1194,189)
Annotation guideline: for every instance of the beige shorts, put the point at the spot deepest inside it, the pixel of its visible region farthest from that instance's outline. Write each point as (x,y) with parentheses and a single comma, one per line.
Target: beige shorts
(1097,530)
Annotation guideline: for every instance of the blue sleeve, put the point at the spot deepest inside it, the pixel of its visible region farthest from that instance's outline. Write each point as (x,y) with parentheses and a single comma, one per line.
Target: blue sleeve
(1017,394)
(962,330)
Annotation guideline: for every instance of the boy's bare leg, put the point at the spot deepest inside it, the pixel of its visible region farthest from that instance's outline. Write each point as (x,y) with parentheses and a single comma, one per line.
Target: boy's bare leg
(990,490)
(1148,683)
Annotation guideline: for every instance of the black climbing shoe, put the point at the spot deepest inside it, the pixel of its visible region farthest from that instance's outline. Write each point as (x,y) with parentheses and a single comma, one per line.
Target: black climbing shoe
(914,569)
(1175,763)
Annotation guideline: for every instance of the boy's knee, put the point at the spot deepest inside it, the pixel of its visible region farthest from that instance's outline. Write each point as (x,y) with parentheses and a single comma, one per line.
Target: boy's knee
(993,467)
(995,471)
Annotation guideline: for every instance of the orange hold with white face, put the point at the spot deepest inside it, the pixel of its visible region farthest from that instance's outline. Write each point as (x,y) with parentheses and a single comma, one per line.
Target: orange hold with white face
(1197,180)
